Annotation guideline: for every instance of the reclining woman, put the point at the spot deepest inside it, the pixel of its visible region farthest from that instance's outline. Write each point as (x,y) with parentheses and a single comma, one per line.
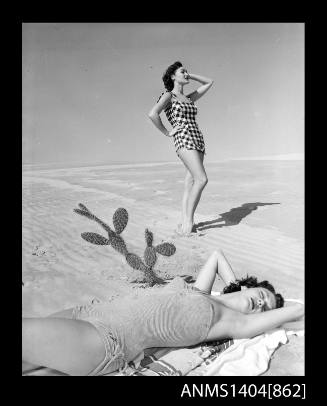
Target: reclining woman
(100,338)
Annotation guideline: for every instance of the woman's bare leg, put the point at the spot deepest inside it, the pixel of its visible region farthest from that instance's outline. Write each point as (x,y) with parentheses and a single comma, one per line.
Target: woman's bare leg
(193,161)
(64,314)
(70,346)
(188,184)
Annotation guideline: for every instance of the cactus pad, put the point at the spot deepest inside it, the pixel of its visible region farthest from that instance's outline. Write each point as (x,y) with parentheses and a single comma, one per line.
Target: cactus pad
(148,238)
(150,256)
(111,234)
(118,244)
(95,238)
(84,213)
(83,207)
(166,249)
(135,262)
(120,220)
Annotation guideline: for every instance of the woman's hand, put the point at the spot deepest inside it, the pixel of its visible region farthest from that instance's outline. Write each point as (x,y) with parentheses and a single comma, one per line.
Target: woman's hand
(200,91)
(175,130)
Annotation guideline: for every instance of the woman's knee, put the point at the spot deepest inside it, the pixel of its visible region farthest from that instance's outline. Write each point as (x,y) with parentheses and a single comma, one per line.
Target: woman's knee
(189,181)
(201,181)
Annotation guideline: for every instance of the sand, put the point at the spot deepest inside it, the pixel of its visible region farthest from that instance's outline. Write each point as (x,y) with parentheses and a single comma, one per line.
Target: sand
(253,210)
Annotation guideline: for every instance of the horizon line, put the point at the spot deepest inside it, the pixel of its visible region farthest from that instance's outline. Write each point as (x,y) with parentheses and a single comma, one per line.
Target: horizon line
(64,165)
(291,156)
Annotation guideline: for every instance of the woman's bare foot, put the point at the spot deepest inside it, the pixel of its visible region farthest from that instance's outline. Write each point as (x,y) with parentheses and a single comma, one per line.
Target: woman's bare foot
(187,228)
(185,231)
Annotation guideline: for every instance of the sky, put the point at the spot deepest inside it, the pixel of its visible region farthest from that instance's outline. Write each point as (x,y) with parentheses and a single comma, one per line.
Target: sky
(87,89)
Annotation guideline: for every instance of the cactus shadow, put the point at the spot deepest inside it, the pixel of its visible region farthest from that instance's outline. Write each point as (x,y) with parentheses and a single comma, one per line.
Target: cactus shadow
(165,281)
(231,218)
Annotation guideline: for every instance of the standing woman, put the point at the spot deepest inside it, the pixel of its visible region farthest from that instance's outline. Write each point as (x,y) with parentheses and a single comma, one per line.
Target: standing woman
(188,139)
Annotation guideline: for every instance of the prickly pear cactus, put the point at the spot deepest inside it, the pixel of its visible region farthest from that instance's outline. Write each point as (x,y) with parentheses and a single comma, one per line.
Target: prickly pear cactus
(151,278)
(120,220)
(166,249)
(148,238)
(150,256)
(118,244)
(135,262)
(95,238)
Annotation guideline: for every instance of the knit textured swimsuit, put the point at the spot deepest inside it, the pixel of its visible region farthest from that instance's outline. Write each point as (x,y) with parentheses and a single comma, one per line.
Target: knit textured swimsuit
(175,316)
(183,114)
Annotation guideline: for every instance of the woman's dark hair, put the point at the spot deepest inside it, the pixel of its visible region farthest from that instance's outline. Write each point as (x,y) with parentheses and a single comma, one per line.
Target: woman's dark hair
(168,82)
(252,282)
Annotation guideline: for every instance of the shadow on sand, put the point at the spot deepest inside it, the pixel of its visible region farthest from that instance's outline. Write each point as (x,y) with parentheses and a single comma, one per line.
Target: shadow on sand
(230,218)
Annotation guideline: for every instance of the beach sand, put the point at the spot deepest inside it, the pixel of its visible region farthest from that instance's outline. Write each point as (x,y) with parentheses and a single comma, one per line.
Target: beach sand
(252,210)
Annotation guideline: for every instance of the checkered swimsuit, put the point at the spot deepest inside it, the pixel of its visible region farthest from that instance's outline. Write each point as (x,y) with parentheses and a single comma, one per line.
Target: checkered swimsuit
(183,114)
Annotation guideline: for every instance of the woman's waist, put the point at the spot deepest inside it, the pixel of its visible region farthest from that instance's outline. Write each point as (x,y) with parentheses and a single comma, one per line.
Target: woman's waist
(183,124)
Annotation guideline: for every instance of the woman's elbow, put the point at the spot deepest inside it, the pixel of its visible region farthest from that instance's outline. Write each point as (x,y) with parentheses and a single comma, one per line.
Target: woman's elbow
(151,115)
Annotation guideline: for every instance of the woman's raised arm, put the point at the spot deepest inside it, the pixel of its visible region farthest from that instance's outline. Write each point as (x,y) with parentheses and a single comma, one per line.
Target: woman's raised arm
(216,264)
(200,91)
(233,324)
(254,324)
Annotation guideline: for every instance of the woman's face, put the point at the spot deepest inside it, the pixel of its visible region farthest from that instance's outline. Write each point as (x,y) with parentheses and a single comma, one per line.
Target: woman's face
(250,300)
(181,76)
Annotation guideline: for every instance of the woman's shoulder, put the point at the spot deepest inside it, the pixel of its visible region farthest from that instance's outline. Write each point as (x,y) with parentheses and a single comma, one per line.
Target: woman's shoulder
(165,96)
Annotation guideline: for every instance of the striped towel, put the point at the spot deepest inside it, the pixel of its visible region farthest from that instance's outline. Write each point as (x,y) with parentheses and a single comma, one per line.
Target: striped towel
(175,361)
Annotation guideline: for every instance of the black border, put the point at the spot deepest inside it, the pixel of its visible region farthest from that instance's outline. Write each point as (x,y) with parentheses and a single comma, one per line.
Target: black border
(155,391)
